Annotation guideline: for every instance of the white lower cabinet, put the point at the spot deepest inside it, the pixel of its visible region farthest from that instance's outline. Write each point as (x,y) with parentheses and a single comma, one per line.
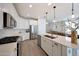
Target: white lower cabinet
(50,47)
(55,49)
(46,46)
(64,50)
(9,49)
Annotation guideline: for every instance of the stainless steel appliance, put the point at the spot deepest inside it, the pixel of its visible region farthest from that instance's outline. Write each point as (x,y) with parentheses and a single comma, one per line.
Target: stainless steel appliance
(39,40)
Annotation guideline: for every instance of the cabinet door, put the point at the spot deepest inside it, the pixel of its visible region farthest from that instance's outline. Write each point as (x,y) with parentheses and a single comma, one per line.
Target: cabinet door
(43,44)
(8,49)
(49,47)
(46,45)
(64,50)
(56,49)
(59,50)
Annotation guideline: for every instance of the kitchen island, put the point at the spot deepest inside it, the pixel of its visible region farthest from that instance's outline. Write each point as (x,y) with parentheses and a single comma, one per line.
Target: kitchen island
(10,46)
(57,45)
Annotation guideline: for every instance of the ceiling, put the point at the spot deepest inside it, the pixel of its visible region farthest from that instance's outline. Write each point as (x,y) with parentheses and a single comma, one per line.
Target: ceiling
(63,10)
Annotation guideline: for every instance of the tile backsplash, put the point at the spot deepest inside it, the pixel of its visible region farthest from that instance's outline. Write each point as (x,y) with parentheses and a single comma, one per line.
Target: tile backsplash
(11,32)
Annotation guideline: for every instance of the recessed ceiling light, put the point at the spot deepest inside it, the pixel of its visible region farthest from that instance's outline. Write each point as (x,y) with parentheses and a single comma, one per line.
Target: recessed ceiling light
(49,4)
(30,6)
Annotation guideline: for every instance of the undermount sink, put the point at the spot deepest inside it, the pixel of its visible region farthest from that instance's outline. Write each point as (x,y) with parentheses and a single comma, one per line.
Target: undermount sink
(49,36)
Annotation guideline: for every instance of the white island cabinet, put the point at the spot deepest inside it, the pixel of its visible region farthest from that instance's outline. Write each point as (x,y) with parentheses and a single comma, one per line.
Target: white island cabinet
(46,45)
(56,49)
(9,49)
(50,47)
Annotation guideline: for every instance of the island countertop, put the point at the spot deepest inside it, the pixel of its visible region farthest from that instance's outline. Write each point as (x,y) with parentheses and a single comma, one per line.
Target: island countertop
(10,39)
(66,41)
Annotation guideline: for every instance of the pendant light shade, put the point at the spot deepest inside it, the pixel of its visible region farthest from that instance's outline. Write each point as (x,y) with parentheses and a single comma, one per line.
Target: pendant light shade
(46,17)
(54,14)
(73,16)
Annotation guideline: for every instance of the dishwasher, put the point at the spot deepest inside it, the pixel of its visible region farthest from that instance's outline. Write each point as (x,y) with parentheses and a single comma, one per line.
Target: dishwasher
(39,40)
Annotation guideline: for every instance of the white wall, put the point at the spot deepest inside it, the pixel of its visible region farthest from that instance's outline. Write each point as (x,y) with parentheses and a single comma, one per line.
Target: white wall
(41,26)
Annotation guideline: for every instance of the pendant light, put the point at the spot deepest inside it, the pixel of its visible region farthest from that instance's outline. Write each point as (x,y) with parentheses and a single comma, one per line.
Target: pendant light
(46,17)
(54,13)
(73,16)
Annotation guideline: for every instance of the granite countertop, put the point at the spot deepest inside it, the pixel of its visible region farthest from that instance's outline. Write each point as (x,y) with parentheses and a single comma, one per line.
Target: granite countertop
(66,41)
(10,39)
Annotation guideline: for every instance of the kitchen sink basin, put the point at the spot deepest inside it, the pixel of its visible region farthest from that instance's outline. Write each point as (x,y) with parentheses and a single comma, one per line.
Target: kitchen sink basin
(49,36)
